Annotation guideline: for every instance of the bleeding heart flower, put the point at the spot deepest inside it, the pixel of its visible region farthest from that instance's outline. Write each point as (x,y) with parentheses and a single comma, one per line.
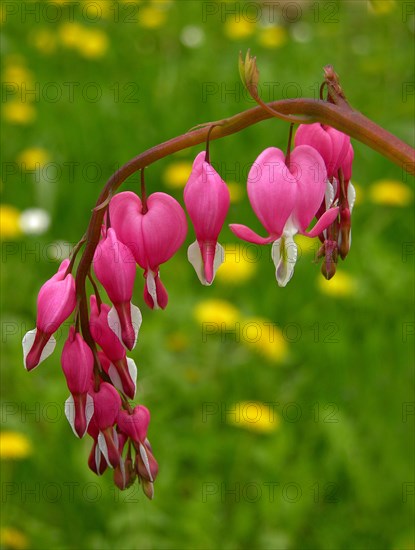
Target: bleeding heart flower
(285,198)
(122,369)
(332,144)
(78,366)
(153,234)
(107,404)
(207,199)
(55,302)
(115,269)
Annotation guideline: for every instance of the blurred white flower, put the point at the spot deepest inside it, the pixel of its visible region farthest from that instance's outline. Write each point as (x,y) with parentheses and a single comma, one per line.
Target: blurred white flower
(192,36)
(34,221)
(301,32)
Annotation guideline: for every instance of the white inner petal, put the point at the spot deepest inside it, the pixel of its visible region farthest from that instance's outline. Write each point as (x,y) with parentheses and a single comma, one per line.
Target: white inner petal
(132,369)
(329,194)
(103,447)
(136,319)
(89,410)
(284,255)
(351,196)
(195,258)
(70,413)
(143,454)
(28,341)
(151,287)
(97,458)
(115,377)
(114,322)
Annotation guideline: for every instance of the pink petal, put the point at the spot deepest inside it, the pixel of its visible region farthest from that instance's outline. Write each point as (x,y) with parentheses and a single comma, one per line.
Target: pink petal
(243,232)
(153,237)
(56,301)
(326,219)
(107,404)
(316,136)
(77,363)
(207,199)
(347,164)
(114,265)
(271,190)
(340,148)
(310,172)
(135,425)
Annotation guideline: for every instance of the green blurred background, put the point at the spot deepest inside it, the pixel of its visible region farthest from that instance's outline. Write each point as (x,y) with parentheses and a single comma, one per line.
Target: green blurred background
(299,437)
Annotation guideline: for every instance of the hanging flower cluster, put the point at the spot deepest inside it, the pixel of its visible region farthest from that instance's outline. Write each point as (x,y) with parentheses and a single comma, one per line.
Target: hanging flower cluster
(286,192)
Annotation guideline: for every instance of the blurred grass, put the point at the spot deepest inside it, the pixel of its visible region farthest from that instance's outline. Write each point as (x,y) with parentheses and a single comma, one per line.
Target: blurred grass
(310,482)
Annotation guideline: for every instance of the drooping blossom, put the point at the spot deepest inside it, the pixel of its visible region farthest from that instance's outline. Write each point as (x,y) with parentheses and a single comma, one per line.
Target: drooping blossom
(332,144)
(96,460)
(207,199)
(78,366)
(107,404)
(122,369)
(154,232)
(114,266)
(347,197)
(337,152)
(285,194)
(55,302)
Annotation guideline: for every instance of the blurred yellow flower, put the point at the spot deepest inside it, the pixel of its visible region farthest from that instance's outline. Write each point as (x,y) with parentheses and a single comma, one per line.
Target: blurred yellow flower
(9,222)
(33,158)
(44,40)
(390,192)
(237,30)
(237,267)
(216,311)
(381,7)
(236,191)
(177,173)
(273,37)
(13,538)
(253,416)
(94,43)
(264,337)
(16,112)
(18,74)
(341,285)
(70,34)
(14,445)
(152,17)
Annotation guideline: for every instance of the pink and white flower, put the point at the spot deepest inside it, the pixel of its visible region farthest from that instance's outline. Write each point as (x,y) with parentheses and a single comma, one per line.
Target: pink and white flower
(115,269)
(107,404)
(55,302)
(154,234)
(286,198)
(122,369)
(207,199)
(78,366)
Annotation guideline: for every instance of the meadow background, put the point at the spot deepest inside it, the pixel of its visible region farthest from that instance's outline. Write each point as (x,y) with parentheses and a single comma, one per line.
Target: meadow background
(288,424)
